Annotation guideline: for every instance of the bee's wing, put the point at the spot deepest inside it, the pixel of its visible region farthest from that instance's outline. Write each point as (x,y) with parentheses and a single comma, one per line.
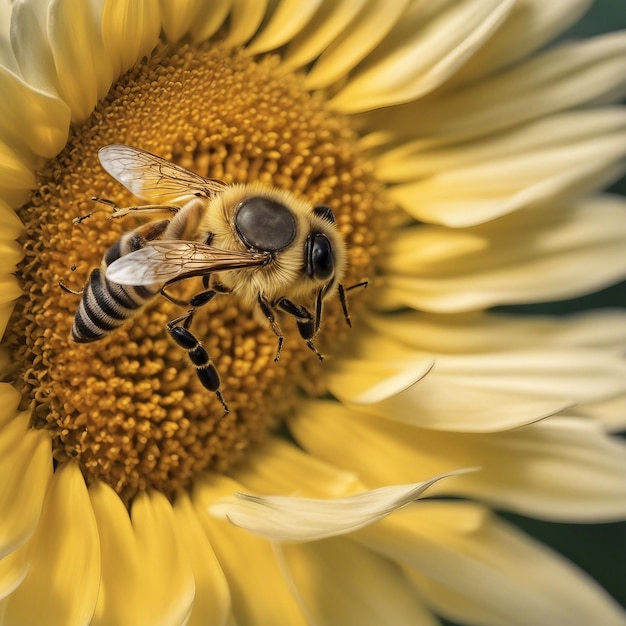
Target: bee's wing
(150,177)
(162,262)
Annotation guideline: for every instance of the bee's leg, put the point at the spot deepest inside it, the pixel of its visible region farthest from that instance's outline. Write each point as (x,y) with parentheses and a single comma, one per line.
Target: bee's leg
(305,321)
(344,301)
(266,308)
(72,291)
(118,212)
(205,369)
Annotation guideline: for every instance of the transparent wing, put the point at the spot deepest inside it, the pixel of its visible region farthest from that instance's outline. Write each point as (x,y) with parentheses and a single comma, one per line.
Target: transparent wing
(150,177)
(162,262)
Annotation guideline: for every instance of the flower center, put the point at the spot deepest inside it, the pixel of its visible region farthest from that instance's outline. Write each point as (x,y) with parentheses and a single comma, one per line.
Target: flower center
(129,408)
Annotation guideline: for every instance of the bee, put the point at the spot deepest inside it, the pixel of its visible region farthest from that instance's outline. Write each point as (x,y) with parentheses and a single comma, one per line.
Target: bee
(272,250)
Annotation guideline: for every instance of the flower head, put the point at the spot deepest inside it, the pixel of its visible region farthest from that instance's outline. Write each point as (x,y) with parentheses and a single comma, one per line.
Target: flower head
(461,163)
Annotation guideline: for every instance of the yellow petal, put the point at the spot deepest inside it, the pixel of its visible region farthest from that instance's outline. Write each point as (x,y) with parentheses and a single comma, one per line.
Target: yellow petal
(331,19)
(476,569)
(289,17)
(280,467)
(562,468)
(64,548)
(420,53)
(10,399)
(130,30)
(14,173)
(146,576)
(11,226)
(339,582)
(177,17)
(260,594)
(245,18)
(26,465)
(209,18)
(13,570)
(212,600)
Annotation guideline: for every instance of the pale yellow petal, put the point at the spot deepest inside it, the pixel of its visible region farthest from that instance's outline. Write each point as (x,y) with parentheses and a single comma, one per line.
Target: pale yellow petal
(212,600)
(260,594)
(209,18)
(331,19)
(610,414)
(534,256)
(9,289)
(292,518)
(364,33)
(563,469)
(288,19)
(420,53)
(130,30)
(477,569)
(31,121)
(280,467)
(15,174)
(146,575)
(26,468)
(64,548)
(562,78)
(339,582)
(245,18)
(481,331)
(530,25)
(410,161)
(484,191)
(84,70)
(7,57)
(10,399)
(177,16)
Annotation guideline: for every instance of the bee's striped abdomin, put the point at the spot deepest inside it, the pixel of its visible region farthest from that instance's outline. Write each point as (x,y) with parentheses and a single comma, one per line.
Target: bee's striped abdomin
(104,305)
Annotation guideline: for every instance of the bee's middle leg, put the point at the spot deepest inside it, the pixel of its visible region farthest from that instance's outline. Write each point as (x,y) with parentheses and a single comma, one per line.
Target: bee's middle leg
(307,325)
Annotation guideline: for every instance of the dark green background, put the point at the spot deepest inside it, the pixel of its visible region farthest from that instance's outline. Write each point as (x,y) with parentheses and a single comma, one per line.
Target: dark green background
(599,549)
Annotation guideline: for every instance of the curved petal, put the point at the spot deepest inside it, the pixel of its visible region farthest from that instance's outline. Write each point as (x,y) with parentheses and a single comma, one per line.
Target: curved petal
(404,66)
(13,570)
(65,547)
(333,592)
(130,30)
(209,18)
(562,469)
(212,604)
(146,578)
(26,467)
(477,569)
(11,226)
(290,518)
(248,562)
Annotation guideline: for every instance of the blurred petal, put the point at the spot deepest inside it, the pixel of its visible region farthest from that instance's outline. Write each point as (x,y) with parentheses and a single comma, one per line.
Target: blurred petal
(244,20)
(64,555)
(212,600)
(146,578)
(476,569)
(26,467)
(286,518)
(177,16)
(338,583)
(209,19)
(260,594)
(13,570)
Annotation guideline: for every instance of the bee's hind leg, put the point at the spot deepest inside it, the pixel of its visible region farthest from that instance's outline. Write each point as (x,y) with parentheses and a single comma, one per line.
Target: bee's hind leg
(205,369)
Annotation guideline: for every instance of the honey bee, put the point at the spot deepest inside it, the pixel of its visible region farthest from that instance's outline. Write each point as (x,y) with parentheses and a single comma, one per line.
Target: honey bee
(272,250)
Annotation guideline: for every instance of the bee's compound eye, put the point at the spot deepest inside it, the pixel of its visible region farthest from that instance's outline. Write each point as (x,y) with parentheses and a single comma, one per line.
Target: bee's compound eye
(265,224)
(325,212)
(320,262)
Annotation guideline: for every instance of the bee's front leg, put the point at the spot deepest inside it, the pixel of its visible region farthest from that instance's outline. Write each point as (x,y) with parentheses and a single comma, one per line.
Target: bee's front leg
(307,324)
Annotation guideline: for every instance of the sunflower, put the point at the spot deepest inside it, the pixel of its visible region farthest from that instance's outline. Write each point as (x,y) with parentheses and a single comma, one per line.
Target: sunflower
(462,158)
